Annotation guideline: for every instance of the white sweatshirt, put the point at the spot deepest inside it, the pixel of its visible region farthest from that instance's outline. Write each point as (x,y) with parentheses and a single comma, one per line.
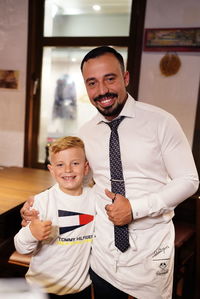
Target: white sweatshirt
(60,265)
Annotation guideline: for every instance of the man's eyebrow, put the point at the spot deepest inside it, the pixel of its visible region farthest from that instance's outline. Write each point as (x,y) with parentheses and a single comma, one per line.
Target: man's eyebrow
(110,74)
(105,76)
(90,79)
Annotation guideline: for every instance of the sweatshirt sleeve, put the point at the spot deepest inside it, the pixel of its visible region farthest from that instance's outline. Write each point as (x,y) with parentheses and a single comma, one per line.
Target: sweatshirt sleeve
(24,241)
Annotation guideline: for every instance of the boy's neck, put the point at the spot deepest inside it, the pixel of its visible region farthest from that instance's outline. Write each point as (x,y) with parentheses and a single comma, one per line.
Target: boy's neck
(76,192)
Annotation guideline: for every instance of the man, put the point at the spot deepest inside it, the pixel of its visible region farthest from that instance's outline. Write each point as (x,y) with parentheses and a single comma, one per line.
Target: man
(159,173)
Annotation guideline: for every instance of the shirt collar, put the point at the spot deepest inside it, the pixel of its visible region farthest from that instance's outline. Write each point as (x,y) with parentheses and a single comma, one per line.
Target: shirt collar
(127,111)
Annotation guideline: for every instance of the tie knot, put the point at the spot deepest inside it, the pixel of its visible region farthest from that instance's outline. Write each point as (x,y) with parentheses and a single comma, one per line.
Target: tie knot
(115,123)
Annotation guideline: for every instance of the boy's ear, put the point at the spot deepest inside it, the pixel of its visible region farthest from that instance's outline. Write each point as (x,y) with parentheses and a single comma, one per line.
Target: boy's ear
(49,166)
(87,168)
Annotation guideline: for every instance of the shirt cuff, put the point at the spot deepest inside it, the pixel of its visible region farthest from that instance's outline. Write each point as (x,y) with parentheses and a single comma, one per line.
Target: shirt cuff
(28,235)
(140,208)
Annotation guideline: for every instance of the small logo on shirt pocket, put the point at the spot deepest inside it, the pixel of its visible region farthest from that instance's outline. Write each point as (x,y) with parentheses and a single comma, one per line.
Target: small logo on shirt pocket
(162,268)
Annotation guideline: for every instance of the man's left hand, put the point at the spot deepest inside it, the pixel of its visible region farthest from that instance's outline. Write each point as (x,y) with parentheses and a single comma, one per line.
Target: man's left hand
(119,212)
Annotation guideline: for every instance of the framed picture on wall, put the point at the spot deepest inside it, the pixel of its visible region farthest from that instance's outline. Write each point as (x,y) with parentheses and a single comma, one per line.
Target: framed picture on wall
(9,79)
(172,39)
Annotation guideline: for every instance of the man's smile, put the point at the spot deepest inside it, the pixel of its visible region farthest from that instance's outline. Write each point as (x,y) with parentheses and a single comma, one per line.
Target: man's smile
(106,100)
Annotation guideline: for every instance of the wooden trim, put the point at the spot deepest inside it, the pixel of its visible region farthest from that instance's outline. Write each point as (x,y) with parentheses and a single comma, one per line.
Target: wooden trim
(136,45)
(85,41)
(196,139)
(196,150)
(34,64)
(20,259)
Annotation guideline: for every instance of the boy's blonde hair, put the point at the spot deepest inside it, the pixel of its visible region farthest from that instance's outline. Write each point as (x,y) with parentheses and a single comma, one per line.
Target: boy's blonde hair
(64,143)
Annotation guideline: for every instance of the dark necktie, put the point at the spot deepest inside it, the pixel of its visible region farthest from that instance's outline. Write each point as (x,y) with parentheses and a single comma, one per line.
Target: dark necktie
(117,181)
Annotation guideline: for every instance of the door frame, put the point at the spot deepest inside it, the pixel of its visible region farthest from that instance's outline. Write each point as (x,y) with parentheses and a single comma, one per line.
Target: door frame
(36,42)
(196,151)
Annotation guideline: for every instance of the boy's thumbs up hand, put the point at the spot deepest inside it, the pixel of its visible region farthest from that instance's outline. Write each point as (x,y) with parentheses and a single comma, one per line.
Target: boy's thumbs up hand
(40,229)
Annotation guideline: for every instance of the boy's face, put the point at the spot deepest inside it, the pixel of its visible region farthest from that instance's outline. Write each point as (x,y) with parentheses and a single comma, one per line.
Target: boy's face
(69,167)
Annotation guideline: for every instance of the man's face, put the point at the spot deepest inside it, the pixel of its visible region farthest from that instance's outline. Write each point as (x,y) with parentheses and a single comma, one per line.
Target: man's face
(69,167)
(106,84)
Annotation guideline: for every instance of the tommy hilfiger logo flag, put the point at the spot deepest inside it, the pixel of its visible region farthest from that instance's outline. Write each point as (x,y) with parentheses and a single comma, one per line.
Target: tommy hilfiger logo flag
(71,220)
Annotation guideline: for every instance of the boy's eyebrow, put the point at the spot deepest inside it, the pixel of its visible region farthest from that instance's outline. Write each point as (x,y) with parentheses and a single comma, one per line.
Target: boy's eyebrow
(56,162)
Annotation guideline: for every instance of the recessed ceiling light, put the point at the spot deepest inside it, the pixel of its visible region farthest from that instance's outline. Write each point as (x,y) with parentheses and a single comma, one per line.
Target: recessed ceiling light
(96,7)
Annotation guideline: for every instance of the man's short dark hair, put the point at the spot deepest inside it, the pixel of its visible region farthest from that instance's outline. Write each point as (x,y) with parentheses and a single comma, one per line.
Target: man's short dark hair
(99,51)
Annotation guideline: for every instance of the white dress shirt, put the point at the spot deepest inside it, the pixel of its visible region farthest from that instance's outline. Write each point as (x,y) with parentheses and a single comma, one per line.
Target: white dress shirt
(159,173)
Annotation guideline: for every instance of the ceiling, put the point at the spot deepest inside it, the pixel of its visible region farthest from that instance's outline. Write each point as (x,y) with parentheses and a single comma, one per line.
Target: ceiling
(74,7)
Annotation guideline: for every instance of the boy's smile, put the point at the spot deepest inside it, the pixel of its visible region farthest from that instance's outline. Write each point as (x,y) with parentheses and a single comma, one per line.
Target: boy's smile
(69,167)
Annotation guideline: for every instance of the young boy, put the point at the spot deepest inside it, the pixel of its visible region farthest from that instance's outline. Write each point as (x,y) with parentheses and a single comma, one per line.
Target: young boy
(61,238)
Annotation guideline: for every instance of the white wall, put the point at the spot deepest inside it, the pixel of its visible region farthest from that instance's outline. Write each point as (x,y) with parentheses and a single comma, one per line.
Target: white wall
(103,25)
(13,56)
(178,93)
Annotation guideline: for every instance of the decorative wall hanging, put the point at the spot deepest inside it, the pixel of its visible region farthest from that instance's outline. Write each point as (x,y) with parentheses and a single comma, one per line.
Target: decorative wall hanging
(172,39)
(9,79)
(170,64)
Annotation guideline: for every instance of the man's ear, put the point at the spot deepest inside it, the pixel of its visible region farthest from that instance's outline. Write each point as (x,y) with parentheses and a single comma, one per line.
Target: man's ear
(126,78)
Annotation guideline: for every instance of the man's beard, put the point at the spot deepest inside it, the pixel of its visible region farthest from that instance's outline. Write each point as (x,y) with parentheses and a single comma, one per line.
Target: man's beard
(110,111)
